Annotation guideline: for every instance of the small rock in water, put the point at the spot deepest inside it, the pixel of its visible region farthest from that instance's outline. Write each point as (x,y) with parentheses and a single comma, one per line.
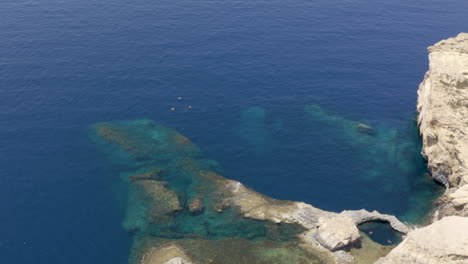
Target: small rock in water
(152,174)
(196,205)
(366,129)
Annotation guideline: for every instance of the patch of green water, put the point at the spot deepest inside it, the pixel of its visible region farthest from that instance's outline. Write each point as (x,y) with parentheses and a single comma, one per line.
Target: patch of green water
(174,195)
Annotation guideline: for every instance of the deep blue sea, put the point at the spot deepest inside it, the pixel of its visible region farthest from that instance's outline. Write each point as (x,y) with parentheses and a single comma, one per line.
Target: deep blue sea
(266,88)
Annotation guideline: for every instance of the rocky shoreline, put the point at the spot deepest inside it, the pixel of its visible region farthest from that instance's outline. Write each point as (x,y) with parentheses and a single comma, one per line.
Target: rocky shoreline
(177,199)
(181,210)
(443,124)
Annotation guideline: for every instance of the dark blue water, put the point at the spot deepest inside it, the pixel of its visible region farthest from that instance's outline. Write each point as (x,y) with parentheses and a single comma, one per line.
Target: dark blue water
(65,65)
(381,233)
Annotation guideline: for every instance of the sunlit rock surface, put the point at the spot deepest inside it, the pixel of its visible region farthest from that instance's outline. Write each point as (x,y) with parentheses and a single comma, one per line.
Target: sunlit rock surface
(442,242)
(362,216)
(168,254)
(179,206)
(337,232)
(443,121)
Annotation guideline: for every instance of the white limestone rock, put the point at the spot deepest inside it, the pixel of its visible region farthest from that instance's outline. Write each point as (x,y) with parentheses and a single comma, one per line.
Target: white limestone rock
(443,121)
(168,254)
(177,260)
(363,216)
(337,232)
(442,242)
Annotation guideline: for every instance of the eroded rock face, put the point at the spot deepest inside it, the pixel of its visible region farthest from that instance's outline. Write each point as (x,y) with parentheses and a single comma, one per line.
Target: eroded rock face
(442,242)
(258,206)
(443,121)
(337,232)
(363,216)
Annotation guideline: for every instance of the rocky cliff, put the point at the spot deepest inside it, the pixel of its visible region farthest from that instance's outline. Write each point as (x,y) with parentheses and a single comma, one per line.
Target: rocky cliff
(443,122)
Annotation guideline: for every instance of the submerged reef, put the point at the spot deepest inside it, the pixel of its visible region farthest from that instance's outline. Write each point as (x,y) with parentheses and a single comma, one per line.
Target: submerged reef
(443,123)
(253,130)
(180,209)
(379,153)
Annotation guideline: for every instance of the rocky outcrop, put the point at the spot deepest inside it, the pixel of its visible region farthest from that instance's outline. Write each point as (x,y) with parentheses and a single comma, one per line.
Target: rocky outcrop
(258,206)
(177,260)
(255,205)
(329,230)
(337,232)
(150,201)
(178,205)
(362,216)
(443,122)
(169,254)
(443,242)
(196,205)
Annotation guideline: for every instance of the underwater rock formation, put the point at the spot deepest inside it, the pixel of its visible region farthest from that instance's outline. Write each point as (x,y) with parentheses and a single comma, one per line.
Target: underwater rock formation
(443,242)
(378,157)
(443,122)
(196,205)
(351,132)
(180,209)
(253,129)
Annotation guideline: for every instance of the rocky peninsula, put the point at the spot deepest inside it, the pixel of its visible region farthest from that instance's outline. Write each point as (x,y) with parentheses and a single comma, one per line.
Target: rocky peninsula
(182,210)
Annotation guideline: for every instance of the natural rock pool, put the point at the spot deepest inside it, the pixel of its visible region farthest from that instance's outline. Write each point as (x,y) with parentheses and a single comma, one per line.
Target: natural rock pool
(381,233)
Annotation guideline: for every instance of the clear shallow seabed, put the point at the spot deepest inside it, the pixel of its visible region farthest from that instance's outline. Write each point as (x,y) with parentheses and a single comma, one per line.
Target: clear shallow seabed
(253,72)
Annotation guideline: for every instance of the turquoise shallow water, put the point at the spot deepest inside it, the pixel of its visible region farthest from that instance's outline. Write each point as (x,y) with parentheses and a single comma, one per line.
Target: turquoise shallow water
(163,174)
(173,193)
(248,69)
